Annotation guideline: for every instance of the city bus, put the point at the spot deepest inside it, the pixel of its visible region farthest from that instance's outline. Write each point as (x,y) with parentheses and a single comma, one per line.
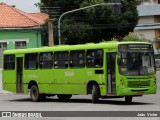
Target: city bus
(102,70)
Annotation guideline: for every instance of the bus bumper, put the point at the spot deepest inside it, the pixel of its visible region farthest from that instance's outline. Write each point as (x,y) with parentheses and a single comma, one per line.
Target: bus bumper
(136,91)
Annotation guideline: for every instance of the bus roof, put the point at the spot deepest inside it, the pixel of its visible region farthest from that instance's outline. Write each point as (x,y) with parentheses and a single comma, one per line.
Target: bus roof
(101,45)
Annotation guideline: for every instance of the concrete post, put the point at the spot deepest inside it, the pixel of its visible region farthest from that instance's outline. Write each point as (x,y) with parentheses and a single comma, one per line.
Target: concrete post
(50,33)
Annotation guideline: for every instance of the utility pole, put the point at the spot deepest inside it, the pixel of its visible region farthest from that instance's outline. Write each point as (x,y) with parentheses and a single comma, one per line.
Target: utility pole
(50,33)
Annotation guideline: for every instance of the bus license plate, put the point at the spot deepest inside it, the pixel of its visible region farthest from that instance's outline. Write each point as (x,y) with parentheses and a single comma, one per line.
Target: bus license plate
(140,93)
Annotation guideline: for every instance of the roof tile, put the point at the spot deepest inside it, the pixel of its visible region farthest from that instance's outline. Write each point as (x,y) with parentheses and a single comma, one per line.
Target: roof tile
(11,17)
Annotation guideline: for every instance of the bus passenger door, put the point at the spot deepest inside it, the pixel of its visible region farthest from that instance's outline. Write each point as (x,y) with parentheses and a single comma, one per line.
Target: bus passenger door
(111,79)
(19,81)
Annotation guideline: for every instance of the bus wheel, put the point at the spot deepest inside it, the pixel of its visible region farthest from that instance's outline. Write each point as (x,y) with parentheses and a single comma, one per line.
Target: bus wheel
(95,93)
(128,99)
(34,93)
(64,97)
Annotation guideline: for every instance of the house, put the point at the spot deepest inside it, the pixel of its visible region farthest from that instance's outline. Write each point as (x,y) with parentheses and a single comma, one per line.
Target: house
(149,2)
(149,25)
(19,29)
(149,21)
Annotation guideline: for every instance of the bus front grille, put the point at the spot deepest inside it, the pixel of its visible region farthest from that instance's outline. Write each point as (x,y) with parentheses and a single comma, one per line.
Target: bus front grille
(139,83)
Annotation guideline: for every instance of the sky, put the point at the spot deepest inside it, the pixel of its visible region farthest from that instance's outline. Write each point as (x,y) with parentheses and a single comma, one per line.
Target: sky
(24,5)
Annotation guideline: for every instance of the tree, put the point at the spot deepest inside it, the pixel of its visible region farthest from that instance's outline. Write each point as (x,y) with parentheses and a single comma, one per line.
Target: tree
(93,24)
(135,37)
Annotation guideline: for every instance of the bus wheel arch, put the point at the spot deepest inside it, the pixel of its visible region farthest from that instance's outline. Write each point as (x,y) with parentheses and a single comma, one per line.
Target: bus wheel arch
(90,85)
(34,92)
(31,83)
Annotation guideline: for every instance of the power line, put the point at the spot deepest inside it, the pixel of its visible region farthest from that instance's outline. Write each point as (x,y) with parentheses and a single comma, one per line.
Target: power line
(96,26)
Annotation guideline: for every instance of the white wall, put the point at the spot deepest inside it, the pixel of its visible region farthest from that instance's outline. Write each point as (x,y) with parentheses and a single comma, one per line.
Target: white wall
(149,34)
(148,2)
(2,91)
(146,20)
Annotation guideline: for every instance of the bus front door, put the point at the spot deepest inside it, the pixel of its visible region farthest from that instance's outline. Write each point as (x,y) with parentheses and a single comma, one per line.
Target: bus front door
(111,79)
(19,74)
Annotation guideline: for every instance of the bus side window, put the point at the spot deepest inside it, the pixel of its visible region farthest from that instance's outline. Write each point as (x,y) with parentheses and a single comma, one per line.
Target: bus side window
(77,59)
(94,58)
(61,59)
(90,58)
(46,60)
(31,61)
(99,58)
(9,62)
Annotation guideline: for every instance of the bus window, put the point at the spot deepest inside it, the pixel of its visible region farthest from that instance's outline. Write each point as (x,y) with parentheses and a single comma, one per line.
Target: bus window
(77,59)
(94,58)
(46,60)
(31,61)
(9,62)
(137,63)
(61,59)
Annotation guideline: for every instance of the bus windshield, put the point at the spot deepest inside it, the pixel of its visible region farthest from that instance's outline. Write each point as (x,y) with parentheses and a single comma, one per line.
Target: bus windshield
(137,61)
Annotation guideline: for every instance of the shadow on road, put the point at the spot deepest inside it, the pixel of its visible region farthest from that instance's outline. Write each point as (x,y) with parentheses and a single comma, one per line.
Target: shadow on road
(106,101)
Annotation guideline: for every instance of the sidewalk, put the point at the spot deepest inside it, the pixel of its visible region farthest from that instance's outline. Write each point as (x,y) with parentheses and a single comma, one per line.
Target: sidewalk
(3,92)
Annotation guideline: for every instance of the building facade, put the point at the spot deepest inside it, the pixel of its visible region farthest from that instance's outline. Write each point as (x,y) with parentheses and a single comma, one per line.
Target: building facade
(149,21)
(18,29)
(148,2)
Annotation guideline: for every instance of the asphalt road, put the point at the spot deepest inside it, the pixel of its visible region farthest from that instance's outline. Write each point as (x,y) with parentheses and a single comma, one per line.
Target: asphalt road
(79,103)
(20,102)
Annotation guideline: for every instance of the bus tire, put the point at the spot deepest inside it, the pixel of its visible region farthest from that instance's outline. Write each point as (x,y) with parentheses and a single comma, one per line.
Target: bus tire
(128,99)
(34,93)
(64,97)
(95,93)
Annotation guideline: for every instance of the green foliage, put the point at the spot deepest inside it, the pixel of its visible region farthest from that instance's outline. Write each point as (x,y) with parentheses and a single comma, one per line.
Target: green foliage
(69,33)
(93,24)
(135,37)
(13,6)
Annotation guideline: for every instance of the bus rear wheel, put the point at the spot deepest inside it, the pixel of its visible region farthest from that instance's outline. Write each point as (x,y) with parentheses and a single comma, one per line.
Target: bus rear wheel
(128,99)
(64,97)
(35,95)
(95,93)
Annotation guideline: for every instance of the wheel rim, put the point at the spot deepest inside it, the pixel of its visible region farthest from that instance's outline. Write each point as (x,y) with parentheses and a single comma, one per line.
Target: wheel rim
(34,94)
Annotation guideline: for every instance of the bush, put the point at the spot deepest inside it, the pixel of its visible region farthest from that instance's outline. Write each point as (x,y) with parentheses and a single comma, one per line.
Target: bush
(135,37)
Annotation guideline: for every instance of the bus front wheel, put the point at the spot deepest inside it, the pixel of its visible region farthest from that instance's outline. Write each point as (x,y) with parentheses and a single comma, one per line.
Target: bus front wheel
(34,93)
(128,99)
(95,93)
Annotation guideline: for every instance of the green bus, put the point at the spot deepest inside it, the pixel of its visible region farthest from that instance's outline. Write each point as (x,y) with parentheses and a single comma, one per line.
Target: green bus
(104,70)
